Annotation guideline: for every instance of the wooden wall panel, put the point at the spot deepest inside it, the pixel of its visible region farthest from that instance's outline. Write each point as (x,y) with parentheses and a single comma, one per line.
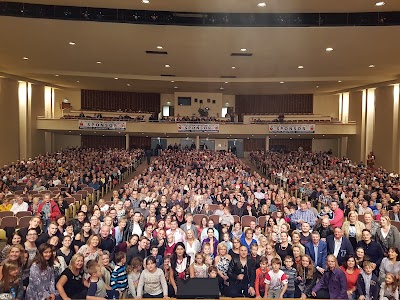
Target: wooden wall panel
(290,145)
(98,141)
(139,142)
(276,104)
(253,144)
(113,101)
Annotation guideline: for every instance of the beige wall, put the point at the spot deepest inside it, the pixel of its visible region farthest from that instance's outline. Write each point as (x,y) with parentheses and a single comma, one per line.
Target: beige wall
(355,114)
(63,141)
(74,97)
(9,121)
(325,144)
(327,105)
(220,99)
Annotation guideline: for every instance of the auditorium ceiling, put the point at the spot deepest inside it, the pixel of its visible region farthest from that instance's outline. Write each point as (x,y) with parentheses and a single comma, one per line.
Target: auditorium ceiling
(199,58)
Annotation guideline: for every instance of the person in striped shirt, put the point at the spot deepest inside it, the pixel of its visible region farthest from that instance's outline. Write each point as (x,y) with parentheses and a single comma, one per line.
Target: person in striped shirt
(119,277)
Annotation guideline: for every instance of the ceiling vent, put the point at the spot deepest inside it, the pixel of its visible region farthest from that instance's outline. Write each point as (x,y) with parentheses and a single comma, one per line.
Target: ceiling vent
(241,54)
(157,52)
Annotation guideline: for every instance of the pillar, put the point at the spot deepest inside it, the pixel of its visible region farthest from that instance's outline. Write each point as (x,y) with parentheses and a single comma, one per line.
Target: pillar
(267,143)
(197,142)
(49,140)
(127,141)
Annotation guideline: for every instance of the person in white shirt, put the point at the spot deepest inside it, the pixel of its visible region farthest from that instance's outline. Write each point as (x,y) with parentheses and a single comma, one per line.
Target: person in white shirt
(19,205)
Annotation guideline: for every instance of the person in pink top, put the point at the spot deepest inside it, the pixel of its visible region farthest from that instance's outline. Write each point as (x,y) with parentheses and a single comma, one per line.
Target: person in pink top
(338,215)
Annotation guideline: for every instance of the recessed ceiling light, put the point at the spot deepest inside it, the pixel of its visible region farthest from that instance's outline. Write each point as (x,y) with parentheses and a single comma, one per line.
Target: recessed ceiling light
(282,82)
(98,62)
(339,81)
(167,66)
(72,43)
(146,1)
(116,78)
(56,75)
(159,47)
(221,88)
(371,66)
(69,130)
(103,134)
(317,86)
(300,67)
(175,87)
(77,81)
(233,67)
(172,81)
(243,49)
(381,3)
(226,82)
(329,49)
(128,84)
(25,58)
(262,4)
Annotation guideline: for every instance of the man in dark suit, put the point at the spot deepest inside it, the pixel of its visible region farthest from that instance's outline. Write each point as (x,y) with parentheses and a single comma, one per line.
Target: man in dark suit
(318,252)
(394,214)
(339,245)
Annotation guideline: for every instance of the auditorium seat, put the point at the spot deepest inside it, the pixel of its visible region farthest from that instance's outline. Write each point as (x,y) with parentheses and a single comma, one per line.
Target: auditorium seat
(197,218)
(213,207)
(84,195)
(247,219)
(21,214)
(9,221)
(215,218)
(6,214)
(236,218)
(24,221)
(262,220)
(396,224)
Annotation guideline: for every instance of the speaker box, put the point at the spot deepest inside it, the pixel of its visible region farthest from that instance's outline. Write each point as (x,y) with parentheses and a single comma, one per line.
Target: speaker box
(197,288)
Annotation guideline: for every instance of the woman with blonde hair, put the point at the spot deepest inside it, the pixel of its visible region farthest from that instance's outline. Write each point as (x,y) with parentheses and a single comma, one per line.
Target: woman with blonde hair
(72,284)
(387,235)
(353,228)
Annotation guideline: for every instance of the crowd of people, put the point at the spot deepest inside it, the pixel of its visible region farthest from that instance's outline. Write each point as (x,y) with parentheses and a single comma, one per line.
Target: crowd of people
(181,219)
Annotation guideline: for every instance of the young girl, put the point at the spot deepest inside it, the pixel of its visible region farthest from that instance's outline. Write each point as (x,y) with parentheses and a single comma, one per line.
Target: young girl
(270,254)
(226,239)
(134,271)
(10,282)
(259,283)
(152,283)
(169,249)
(389,289)
(41,278)
(208,260)
(207,249)
(237,230)
(198,269)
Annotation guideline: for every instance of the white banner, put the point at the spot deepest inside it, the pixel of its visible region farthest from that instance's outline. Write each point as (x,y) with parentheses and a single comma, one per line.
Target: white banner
(102,125)
(198,127)
(291,128)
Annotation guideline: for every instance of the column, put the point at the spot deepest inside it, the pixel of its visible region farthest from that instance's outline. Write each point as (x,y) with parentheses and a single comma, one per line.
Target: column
(49,141)
(24,98)
(127,141)
(197,142)
(267,143)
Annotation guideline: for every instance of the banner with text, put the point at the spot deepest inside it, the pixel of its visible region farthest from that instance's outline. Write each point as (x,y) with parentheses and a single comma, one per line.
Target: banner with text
(198,127)
(102,125)
(291,128)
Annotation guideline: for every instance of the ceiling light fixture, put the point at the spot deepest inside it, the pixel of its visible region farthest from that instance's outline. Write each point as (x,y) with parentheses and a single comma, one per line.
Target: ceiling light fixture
(300,67)
(233,67)
(159,47)
(226,82)
(77,81)
(116,78)
(243,49)
(56,75)
(381,3)
(175,87)
(25,58)
(317,86)
(262,4)
(329,49)
(282,82)
(221,88)
(145,1)
(339,81)
(167,66)
(172,81)
(371,66)
(128,84)
(98,62)
(72,43)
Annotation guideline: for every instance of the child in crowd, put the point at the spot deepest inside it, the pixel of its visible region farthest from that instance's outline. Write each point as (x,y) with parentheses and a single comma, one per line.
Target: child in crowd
(98,289)
(261,272)
(212,272)
(169,248)
(275,281)
(290,275)
(10,282)
(207,250)
(254,255)
(270,254)
(152,283)
(226,239)
(154,253)
(326,211)
(119,278)
(368,283)
(208,260)
(198,269)
(134,271)
(389,289)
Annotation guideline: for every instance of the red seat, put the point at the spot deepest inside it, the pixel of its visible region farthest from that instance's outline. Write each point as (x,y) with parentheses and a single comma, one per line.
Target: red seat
(197,218)
(247,219)
(9,222)
(215,218)
(23,222)
(21,214)
(6,214)
(261,221)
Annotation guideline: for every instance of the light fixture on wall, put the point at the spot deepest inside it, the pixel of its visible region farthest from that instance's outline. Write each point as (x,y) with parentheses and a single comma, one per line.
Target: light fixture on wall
(66,100)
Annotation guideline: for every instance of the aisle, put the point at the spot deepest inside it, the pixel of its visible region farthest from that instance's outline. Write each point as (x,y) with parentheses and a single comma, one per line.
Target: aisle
(252,167)
(138,171)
